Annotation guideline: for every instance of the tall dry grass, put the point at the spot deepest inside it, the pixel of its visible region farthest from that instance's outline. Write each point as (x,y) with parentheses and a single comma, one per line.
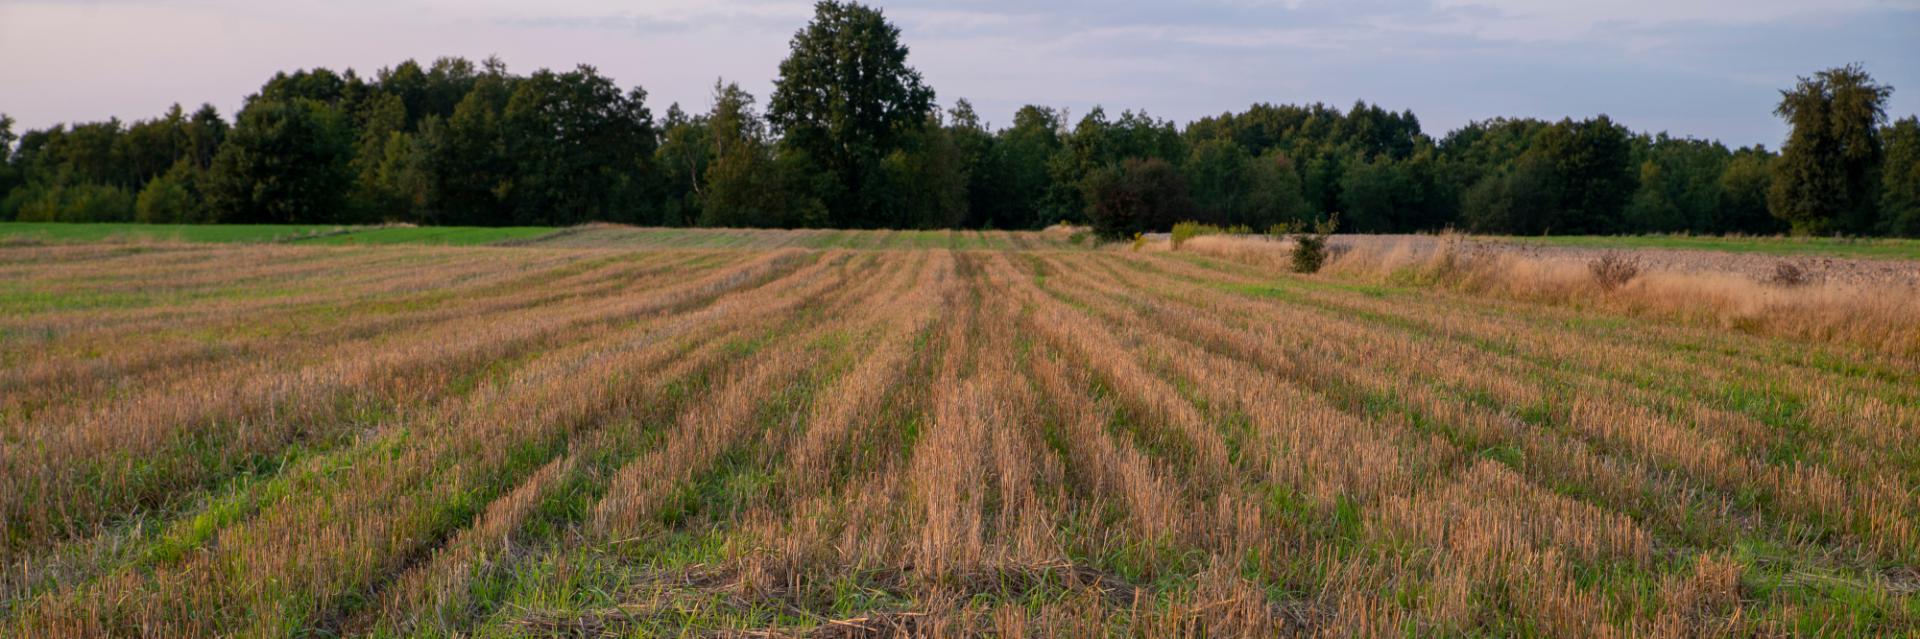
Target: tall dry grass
(1877,317)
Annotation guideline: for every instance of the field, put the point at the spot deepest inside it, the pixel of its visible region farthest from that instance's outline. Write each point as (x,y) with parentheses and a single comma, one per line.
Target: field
(591,235)
(634,432)
(1904,249)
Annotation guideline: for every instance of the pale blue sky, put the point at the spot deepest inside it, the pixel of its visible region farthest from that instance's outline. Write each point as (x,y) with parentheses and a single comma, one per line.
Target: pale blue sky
(1692,67)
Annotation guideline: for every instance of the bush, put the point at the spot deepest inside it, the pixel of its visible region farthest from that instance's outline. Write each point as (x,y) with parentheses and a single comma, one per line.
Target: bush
(1136,196)
(1190,229)
(1789,275)
(84,202)
(1309,244)
(1613,271)
(165,200)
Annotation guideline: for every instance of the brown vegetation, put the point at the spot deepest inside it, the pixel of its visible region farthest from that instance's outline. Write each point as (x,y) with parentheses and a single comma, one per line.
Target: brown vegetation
(537,441)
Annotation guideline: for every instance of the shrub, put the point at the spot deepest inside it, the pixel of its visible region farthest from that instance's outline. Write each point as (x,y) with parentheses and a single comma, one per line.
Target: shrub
(83,202)
(165,200)
(1186,231)
(1309,244)
(1136,196)
(1190,229)
(1789,275)
(1613,271)
(1139,241)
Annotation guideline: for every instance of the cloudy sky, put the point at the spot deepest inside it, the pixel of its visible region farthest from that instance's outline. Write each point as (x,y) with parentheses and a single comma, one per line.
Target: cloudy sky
(1706,68)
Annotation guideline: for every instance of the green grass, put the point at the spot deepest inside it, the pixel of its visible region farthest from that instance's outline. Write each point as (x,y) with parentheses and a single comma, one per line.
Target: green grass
(71,232)
(57,232)
(1901,249)
(444,235)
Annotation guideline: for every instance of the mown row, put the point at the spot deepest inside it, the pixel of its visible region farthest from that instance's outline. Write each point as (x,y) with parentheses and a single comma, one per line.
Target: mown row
(276,440)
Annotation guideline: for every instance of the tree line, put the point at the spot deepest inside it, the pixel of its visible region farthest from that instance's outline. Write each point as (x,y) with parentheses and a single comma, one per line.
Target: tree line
(853,137)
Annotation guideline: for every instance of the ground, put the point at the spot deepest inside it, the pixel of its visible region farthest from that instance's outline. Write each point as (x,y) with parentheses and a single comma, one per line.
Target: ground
(608,431)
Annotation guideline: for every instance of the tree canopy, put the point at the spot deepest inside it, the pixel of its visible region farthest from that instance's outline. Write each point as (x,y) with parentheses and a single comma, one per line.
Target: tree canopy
(852,137)
(846,98)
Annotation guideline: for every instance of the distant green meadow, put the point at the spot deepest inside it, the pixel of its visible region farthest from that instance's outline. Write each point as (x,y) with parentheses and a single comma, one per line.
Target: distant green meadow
(58,232)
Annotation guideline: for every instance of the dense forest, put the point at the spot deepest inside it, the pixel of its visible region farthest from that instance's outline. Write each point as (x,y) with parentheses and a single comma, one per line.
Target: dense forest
(853,137)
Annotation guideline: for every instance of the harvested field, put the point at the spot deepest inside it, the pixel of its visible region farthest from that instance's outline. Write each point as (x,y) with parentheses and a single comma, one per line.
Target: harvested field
(857,434)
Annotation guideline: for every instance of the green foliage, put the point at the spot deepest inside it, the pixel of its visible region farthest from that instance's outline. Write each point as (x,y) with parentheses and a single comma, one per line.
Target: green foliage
(1679,187)
(1098,144)
(685,152)
(1384,195)
(1136,196)
(1232,186)
(742,187)
(1827,172)
(847,99)
(388,184)
(1572,177)
(580,149)
(286,162)
(1743,190)
(1309,241)
(9,176)
(851,138)
(70,202)
(171,198)
(1184,231)
(1900,188)
(924,183)
(1188,230)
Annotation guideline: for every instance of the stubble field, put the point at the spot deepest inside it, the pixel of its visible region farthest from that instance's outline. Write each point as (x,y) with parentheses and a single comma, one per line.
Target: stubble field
(845,435)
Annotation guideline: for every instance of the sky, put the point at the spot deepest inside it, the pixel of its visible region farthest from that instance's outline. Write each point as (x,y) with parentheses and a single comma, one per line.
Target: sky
(1699,68)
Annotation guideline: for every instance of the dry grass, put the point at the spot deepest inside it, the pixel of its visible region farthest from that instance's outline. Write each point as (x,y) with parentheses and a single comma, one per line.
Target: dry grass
(1787,301)
(1010,438)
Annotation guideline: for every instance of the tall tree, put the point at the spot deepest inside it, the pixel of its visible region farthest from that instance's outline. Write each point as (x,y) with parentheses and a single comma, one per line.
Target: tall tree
(1900,189)
(1136,196)
(924,183)
(846,98)
(975,146)
(205,132)
(1742,202)
(468,171)
(743,189)
(285,163)
(1012,186)
(685,152)
(583,149)
(1827,174)
(1593,174)
(9,176)
(1232,186)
